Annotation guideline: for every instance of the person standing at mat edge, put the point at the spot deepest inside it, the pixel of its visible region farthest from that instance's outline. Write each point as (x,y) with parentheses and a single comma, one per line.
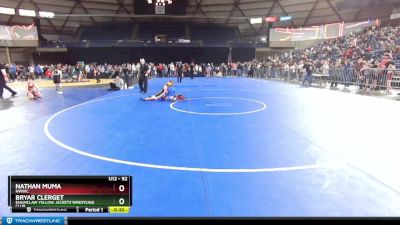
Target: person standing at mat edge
(180,72)
(57,79)
(191,70)
(3,78)
(143,76)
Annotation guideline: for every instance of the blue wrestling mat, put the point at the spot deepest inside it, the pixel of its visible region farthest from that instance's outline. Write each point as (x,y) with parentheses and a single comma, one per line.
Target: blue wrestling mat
(234,147)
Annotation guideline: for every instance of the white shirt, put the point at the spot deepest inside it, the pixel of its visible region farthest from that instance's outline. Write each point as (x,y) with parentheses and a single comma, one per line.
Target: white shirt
(286,68)
(325,69)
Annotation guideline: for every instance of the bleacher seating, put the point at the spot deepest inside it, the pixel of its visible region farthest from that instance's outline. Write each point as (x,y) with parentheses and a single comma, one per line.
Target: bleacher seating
(123,35)
(108,32)
(210,33)
(147,31)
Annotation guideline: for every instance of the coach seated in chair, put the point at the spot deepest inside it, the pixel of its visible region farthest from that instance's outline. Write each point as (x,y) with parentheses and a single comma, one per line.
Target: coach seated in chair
(117,83)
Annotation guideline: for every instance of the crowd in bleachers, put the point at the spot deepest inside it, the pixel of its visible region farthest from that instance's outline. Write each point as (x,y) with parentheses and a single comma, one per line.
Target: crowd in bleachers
(368,59)
(370,44)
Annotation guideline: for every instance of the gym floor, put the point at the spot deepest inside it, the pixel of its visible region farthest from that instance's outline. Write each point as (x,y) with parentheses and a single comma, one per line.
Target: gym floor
(235,147)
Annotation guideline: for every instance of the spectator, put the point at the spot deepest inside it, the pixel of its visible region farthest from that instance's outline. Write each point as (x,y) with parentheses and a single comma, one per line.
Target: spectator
(96,73)
(13,72)
(390,72)
(348,72)
(309,67)
(171,69)
(239,69)
(234,69)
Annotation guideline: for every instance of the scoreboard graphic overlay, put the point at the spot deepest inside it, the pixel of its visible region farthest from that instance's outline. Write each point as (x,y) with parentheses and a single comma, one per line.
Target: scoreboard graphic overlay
(70,194)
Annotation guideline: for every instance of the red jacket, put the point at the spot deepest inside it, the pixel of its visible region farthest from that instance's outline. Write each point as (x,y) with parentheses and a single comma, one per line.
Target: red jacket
(48,73)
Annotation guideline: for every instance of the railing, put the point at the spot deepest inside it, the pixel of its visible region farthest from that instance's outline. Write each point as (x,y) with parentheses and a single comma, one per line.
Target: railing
(367,78)
(51,45)
(77,44)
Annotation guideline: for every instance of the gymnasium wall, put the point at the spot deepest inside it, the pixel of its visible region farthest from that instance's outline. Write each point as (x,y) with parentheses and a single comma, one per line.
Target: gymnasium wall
(18,55)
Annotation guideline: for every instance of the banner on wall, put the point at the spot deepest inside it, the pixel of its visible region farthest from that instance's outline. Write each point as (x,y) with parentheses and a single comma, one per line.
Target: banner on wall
(327,31)
(19,36)
(395,14)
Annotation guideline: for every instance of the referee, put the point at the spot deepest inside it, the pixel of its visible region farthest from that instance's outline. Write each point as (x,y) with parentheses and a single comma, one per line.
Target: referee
(3,77)
(143,76)
(125,75)
(180,72)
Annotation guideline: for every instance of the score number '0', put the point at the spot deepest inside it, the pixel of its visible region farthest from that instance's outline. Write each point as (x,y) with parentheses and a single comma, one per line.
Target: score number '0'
(121,188)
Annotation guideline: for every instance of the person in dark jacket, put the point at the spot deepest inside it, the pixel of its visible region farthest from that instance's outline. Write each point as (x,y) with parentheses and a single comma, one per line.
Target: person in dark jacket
(179,70)
(143,76)
(3,84)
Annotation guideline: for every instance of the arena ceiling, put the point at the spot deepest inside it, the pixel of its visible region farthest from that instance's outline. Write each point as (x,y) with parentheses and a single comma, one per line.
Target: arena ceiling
(70,14)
